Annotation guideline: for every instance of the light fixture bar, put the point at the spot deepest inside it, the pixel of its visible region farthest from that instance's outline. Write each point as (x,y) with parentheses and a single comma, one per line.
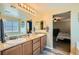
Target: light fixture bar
(27,7)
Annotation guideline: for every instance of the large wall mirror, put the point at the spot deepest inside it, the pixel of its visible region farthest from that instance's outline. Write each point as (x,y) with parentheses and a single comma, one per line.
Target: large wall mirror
(11,25)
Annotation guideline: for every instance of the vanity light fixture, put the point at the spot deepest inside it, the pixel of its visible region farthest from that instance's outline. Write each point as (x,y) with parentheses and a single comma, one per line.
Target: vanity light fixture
(27,7)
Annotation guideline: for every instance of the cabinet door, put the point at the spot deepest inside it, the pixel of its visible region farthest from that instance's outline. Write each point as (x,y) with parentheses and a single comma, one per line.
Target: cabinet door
(17,50)
(0,53)
(27,48)
(43,42)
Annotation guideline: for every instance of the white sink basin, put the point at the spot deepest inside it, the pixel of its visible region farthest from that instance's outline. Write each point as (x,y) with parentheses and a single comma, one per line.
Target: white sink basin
(15,41)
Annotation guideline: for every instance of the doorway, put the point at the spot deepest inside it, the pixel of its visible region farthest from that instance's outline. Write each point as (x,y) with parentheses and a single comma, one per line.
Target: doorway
(61,32)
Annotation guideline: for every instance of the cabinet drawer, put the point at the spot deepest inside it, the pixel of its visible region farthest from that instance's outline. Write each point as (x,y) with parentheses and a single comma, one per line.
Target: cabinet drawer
(36,40)
(36,45)
(36,52)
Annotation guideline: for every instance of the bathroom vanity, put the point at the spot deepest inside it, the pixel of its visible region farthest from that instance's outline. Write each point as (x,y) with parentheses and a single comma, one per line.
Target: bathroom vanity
(32,45)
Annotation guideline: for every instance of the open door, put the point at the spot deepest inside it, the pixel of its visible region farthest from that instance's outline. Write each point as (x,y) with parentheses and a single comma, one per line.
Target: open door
(61,32)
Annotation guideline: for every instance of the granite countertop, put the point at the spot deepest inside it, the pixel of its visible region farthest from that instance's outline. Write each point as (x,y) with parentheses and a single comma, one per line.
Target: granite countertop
(11,43)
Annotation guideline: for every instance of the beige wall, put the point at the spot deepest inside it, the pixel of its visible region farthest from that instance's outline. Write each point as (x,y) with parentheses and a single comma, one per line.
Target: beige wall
(47,17)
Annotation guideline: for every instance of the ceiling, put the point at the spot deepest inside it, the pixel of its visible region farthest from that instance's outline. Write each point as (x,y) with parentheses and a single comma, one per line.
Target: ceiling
(63,16)
(44,7)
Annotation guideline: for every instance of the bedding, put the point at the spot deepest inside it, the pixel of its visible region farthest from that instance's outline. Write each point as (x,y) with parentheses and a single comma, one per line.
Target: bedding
(63,36)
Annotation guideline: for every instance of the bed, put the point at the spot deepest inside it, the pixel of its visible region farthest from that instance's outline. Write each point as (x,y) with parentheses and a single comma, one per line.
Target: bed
(62,36)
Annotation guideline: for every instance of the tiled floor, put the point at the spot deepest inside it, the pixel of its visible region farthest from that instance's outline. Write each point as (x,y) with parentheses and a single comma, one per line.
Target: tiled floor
(52,52)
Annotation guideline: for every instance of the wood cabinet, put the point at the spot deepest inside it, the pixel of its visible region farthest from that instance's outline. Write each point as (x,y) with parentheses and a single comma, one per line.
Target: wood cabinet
(17,50)
(36,40)
(27,48)
(36,43)
(0,53)
(36,52)
(36,46)
(43,42)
